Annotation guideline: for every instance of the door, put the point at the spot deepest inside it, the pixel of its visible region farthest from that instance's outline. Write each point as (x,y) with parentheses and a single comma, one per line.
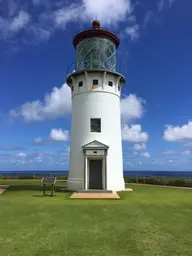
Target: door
(95,174)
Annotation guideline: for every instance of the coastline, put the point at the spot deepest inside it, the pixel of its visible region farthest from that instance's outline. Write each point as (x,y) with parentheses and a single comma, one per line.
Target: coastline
(145,173)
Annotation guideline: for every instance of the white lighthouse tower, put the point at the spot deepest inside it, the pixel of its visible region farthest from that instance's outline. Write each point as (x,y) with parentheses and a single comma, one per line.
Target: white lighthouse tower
(96,147)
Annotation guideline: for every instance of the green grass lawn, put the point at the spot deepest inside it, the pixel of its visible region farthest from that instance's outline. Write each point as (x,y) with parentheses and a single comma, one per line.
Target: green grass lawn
(150,221)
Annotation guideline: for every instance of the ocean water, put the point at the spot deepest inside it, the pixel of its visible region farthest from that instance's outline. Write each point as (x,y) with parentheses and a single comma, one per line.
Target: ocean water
(176,174)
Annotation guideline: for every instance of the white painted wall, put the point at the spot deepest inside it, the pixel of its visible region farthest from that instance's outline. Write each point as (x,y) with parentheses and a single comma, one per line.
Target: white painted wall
(102,102)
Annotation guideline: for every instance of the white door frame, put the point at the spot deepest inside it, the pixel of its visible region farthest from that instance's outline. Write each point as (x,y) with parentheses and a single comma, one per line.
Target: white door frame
(95,150)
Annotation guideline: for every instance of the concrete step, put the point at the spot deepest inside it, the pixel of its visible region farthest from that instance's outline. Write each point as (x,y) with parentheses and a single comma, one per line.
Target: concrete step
(95,196)
(96,191)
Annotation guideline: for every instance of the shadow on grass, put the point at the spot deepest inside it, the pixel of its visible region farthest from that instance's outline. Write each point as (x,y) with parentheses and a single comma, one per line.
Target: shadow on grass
(46,195)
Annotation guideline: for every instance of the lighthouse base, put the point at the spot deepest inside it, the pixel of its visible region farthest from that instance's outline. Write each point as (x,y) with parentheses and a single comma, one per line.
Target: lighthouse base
(97,168)
(75,184)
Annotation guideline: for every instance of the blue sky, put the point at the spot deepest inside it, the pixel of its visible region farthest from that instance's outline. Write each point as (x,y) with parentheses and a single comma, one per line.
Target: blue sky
(155,56)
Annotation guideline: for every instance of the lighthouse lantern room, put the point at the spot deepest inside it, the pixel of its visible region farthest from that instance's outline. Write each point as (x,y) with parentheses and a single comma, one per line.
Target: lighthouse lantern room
(96,148)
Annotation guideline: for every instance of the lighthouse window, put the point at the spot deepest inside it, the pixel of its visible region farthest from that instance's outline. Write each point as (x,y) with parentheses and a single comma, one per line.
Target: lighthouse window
(72,88)
(95,125)
(95,82)
(81,84)
(119,87)
(110,83)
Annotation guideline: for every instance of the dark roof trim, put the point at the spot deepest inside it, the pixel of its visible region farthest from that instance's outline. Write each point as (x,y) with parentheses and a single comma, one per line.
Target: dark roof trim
(95,33)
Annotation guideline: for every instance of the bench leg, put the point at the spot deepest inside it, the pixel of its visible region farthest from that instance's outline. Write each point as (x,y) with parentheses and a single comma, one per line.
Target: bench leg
(44,189)
(52,190)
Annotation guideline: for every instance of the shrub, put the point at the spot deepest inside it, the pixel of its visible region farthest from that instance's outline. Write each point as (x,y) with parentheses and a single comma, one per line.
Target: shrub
(26,177)
(178,182)
(62,178)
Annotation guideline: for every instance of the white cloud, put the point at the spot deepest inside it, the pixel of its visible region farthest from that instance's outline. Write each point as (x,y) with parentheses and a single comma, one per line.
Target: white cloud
(134,133)
(59,135)
(178,133)
(64,155)
(142,154)
(171,2)
(48,158)
(37,34)
(21,154)
(172,162)
(19,21)
(68,149)
(12,148)
(132,19)
(89,9)
(108,11)
(169,152)
(149,16)
(38,140)
(176,153)
(133,32)
(12,7)
(49,3)
(10,26)
(139,146)
(186,152)
(38,159)
(160,5)
(145,154)
(57,14)
(56,104)
(67,14)
(131,108)
(188,144)
(38,1)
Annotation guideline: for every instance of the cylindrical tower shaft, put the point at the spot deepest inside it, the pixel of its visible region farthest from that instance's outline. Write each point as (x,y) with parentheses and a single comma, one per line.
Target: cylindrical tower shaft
(96,147)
